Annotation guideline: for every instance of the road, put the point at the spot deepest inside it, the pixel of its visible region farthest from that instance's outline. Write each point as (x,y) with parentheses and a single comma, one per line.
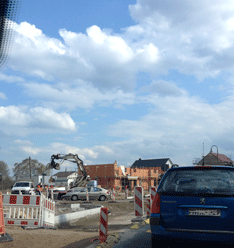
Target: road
(135,238)
(132,238)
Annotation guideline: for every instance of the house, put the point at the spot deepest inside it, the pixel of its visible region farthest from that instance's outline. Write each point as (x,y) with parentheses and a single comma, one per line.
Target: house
(146,175)
(64,179)
(215,159)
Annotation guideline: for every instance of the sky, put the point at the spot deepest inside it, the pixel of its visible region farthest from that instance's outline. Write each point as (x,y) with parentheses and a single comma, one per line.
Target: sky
(119,80)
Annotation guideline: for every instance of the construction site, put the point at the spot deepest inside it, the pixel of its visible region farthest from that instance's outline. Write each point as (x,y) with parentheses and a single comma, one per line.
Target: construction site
(145,173)
(29,220)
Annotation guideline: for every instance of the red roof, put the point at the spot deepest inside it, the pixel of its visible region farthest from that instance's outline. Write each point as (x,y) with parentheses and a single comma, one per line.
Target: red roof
(222,157)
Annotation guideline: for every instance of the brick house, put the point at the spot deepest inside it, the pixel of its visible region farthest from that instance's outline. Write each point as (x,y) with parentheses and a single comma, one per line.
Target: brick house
(144,173)
(216,159)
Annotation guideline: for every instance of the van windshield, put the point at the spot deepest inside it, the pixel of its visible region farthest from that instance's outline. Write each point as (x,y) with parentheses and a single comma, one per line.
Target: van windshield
(212,181)
(21,184)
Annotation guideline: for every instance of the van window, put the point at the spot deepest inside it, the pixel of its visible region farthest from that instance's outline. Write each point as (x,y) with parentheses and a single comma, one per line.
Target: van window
(192,181)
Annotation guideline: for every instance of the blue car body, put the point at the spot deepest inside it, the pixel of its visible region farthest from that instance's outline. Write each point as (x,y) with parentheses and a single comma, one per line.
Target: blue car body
(196,204)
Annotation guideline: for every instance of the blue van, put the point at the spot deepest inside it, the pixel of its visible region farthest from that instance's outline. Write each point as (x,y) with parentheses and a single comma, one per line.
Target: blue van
(194,203)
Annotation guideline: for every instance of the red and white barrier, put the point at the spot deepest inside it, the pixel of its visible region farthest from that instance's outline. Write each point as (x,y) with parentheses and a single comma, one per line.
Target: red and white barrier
(28,210)
(112,192)
(152,194)
(138,202)
(2,224)
(148,207)
(103,227)
(48,212)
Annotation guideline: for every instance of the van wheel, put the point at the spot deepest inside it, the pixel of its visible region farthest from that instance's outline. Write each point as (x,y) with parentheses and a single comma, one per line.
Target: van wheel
(74,198)
(102,198)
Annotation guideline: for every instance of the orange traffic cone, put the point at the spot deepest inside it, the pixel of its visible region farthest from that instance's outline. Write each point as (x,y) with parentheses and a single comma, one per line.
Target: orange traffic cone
(4,237)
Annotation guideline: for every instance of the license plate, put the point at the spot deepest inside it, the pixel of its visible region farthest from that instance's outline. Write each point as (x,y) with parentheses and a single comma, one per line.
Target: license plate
(204,212)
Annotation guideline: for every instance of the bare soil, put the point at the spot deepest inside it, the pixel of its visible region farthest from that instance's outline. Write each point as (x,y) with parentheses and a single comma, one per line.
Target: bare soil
(83,230)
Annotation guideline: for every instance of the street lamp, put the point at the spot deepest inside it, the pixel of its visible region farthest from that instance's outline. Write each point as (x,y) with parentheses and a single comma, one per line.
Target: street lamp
(217,153)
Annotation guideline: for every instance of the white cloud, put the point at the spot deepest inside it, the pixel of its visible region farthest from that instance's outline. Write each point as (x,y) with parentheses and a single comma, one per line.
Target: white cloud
(23,120)
(2,96)
(10,79)
(100,57)
(80,96)
(195,37)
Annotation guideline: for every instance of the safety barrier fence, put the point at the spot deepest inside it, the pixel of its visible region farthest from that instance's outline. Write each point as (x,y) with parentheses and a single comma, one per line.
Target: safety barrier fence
(48,212)
(28,210)
(138,202)
(103,227)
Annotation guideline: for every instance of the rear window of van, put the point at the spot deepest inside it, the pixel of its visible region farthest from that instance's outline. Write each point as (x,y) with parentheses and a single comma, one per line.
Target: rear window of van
(196,181)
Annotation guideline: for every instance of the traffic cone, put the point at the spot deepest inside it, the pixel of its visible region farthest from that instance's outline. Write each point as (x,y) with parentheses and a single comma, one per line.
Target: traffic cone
(4,237)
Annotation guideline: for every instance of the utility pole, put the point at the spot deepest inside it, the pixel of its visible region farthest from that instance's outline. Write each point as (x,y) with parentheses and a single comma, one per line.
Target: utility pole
(30,167)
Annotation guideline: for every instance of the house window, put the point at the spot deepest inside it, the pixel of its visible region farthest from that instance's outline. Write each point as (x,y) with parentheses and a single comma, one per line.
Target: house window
(134,170)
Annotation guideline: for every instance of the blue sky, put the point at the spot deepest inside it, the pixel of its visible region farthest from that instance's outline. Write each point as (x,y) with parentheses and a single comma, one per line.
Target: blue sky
(118,80)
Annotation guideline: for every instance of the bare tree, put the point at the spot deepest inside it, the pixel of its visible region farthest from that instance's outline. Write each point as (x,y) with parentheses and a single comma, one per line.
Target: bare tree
(6,180)
(28,168)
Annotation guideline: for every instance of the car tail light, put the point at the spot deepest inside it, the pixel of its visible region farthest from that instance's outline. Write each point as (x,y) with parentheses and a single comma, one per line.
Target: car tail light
(107,192)
(155,208)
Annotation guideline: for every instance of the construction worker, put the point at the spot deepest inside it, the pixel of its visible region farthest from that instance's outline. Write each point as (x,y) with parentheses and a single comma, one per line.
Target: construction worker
(39,188)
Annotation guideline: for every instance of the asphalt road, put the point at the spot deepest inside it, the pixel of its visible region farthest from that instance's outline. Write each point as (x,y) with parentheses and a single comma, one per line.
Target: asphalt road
(135,238)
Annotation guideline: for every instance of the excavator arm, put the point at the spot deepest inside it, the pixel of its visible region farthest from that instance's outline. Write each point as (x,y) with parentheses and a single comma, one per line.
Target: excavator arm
(81,180)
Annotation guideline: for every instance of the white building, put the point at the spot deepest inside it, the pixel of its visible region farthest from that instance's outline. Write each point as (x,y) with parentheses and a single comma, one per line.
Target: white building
(64,179)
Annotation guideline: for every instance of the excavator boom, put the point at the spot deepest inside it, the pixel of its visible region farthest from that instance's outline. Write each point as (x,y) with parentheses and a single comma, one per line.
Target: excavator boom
(81,180)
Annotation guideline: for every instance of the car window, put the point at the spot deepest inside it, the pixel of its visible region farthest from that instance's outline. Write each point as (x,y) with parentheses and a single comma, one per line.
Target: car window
(77,190)
(215,181)
(95,189)
(21,185)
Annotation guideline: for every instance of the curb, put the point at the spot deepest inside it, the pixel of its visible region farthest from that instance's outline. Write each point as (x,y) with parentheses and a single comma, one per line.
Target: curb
(138,225)
(110,241)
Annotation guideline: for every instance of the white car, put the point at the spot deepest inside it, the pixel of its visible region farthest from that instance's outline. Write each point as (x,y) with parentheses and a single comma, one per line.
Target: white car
(25,187)
(95,193)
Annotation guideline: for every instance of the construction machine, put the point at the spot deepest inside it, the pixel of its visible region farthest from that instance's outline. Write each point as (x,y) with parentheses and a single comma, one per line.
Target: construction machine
(81,180)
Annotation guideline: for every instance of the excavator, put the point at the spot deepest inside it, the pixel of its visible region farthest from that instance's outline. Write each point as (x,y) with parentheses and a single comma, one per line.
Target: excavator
(81,180)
